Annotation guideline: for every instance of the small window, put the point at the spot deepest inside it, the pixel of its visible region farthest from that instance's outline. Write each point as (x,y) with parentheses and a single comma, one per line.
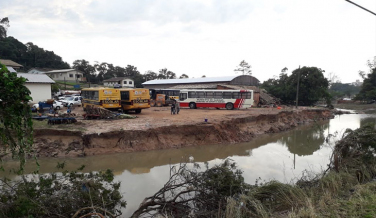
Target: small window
(200,94)
(176,93)
(218,95)
(192,95)
(227,95)
(78,76)
(209,95)
(183,96)
(71,75)
(130,82)
(124,82)
(243,95)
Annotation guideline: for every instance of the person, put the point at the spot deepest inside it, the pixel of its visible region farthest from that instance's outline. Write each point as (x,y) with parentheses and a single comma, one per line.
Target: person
(177,106)
(173,107)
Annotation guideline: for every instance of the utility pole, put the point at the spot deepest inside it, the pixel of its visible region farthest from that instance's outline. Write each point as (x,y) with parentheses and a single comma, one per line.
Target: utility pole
(297,89)
(65,84)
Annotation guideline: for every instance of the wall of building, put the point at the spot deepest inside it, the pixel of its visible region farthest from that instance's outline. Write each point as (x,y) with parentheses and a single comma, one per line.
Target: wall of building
(39,91)
(67,75)
(124,83)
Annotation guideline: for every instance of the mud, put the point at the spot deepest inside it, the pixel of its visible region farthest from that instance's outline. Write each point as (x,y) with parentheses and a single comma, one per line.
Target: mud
(65,143)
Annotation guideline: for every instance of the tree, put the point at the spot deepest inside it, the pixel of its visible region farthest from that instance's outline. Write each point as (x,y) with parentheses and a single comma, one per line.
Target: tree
(16,126)
(150,75)
(284,69)
(203,76)
(4,24)
(340,90)
(87,69)
(368,88)
(184,76)
(166,74)
(190,190)
(244,67)
(333,78)
(313,86)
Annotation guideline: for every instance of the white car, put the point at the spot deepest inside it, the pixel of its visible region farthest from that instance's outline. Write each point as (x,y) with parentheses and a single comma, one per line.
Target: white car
(56,104)
(70,101)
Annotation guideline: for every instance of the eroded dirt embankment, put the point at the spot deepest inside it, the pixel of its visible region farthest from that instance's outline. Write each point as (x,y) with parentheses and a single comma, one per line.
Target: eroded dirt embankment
(61,143)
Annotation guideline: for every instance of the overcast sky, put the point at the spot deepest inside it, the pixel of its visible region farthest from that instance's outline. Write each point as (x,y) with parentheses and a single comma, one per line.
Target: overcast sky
(202,37)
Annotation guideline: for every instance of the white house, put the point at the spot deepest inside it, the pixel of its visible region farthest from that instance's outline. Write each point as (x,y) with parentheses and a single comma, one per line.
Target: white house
(69,75)
(39,86)
(119,81)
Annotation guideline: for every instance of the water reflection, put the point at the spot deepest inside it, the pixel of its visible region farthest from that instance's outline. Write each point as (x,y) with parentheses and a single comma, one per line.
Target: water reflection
(282,156)
(305,140)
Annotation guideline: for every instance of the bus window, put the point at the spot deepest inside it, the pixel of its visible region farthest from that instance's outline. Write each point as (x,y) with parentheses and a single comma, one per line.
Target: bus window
(249,95)
(218,95)
(227,95)
(124,95)
(183,96)
(244,95)
(236,95)
(192,95)
(176,93)
(209,95)
(96,95)
(200,94)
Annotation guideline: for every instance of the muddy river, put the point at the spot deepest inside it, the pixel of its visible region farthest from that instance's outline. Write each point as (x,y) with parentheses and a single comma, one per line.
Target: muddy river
(282,156)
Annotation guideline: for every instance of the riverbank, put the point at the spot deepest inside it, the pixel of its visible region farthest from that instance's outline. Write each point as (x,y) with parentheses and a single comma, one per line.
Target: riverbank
(156,129)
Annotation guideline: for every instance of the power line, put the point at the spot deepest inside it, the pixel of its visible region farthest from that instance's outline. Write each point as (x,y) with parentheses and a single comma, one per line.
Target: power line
(361,7)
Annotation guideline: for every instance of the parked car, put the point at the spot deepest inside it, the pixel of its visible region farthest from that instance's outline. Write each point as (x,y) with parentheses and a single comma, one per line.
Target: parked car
(64,97)
(70,101)
(56,104)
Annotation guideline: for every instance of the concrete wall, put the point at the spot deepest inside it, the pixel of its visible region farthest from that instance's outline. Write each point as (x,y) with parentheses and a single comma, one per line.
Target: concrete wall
(69,76)
(39,91)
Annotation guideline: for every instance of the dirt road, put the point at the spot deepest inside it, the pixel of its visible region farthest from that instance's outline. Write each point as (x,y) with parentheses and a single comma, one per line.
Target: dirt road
(160,116)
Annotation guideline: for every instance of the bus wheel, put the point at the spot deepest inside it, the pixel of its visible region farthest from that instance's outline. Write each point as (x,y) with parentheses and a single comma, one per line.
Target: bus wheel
(192,105)
(229,106)
(138,111)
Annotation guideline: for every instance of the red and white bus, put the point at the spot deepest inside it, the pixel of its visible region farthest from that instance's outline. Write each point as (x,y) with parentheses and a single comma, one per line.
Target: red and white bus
(228,99)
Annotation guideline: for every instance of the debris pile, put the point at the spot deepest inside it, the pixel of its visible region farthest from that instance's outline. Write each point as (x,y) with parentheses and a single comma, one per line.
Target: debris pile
(93,112)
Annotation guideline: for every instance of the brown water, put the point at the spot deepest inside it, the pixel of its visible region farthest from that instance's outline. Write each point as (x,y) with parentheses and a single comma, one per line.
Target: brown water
(282,157)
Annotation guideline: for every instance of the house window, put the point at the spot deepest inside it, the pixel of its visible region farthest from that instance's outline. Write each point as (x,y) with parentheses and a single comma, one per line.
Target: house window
(78,76)
(130,82)
(70,75)
(125,82)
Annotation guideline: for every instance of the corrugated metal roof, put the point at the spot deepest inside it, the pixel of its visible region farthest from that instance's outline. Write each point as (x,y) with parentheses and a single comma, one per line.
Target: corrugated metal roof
(190,80)
(10,63)
(196,86)
(36,78)
(61,71)
(11,70)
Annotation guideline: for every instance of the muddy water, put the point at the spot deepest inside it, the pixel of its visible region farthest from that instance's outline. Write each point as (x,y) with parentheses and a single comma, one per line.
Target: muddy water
(284,157)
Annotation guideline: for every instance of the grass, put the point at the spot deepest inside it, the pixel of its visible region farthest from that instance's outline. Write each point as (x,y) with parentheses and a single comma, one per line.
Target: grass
(347,189)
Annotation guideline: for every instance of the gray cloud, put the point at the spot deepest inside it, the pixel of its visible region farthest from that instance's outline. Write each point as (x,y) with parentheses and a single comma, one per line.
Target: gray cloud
(165,11)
